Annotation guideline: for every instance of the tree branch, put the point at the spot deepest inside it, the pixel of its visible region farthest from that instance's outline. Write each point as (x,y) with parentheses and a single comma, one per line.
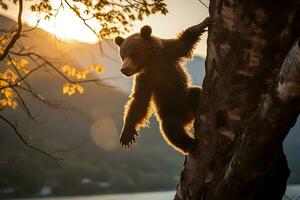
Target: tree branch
(24,141)
(17,35)
(33,56)
(203,3)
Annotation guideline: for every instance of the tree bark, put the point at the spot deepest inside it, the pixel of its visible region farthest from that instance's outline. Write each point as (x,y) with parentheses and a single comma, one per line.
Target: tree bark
(250,100)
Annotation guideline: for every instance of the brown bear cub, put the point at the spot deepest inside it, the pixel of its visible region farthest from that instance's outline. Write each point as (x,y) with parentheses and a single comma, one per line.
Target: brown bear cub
(160,80)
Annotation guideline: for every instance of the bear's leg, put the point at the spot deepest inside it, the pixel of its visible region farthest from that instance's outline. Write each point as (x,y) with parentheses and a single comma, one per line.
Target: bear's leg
(177,136)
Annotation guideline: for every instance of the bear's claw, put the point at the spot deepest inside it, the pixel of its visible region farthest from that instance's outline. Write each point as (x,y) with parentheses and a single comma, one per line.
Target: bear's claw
(207,21)
(127,138)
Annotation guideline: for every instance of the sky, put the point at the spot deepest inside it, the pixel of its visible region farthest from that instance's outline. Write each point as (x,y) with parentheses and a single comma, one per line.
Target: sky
(182,14)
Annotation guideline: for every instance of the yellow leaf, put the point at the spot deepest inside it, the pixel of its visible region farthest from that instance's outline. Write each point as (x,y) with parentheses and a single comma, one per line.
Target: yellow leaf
(71,91)
(4,39)
(6,93)
(8,102)
(98,68)
(73,72)
(3,102)
(14,105)
(79,88)
(12,62)
(66,88)
(65,68)
(25,70)
(23,62)
(79,75)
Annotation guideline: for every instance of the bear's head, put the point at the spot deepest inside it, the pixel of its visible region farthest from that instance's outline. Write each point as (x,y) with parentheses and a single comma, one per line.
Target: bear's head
(137,51)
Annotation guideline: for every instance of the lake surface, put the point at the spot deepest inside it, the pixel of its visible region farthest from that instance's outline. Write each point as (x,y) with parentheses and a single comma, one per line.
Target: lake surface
(167,195)
(292,192)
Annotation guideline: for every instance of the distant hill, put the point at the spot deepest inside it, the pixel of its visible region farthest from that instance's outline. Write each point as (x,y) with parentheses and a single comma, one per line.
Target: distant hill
(94,163)
(196,69)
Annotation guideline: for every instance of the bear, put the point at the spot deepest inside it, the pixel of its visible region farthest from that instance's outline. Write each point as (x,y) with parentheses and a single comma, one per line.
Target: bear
(160,85)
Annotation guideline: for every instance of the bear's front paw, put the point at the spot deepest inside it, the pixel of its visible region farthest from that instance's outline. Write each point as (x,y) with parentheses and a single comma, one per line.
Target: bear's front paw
(128,137)
(207,21)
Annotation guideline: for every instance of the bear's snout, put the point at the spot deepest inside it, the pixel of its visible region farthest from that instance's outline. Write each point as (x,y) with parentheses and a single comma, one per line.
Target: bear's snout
(124,70)
(127,71)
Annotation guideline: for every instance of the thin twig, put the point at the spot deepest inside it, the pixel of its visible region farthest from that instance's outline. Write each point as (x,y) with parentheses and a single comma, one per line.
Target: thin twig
(46,62)
(85,23)
(33,28)
(22,101)
(77,147)
(24,141)
(203,3)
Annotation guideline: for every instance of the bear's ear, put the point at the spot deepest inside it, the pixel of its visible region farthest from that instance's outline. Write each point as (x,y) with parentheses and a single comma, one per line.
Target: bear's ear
(145,32)
(119,40)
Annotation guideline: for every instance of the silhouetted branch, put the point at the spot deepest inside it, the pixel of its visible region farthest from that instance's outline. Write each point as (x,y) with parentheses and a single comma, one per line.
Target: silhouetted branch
(7,163)
(33,28)
(206,6)
(15,49)
(46,62)
(76,147)
(24,141)
(17,35)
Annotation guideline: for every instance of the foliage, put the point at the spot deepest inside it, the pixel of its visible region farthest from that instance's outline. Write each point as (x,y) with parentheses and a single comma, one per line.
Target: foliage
(18,62)
(71,88)
(114,17)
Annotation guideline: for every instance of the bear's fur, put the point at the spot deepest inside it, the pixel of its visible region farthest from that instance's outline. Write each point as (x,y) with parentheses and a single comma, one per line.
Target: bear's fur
(160,80)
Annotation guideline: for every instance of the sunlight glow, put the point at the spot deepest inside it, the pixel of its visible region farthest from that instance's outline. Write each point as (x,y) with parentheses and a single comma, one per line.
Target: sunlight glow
(66,26)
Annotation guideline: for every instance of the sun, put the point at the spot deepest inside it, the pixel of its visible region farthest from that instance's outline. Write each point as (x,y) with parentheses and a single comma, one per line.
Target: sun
(67,26)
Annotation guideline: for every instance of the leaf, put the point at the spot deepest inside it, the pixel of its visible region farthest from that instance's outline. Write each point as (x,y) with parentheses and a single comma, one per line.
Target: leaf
(2,102)
(65,68)
(23,62)
(72,72)
(80,88)
(98,68)
(71,91)
(66,88)
(4,39)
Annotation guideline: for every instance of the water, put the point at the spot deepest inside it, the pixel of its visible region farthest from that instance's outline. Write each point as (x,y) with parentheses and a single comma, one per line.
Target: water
(168,195)
(292,192)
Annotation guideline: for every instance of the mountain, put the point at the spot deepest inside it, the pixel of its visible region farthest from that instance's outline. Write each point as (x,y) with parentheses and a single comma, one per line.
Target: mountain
(196,69)
(85,133)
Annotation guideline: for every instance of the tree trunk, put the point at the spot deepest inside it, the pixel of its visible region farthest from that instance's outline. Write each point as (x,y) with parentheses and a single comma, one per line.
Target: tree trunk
(250,100)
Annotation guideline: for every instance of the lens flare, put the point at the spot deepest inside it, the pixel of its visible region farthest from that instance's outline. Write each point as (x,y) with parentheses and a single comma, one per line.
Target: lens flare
(105,134)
